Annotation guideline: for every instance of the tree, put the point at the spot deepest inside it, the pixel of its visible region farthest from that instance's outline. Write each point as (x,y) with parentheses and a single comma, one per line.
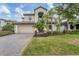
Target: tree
(70,12)
(65,11)
(45,18)
(57,11)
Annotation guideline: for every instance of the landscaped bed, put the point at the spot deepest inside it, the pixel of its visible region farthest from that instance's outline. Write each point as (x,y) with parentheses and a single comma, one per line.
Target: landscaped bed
(3,33)
(66,44)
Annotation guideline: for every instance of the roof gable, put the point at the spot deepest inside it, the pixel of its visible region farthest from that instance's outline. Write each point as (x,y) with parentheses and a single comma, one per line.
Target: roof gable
(40,7)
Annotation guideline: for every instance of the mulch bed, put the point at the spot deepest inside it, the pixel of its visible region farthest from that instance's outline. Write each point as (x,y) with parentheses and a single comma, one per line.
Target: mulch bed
(44,34)
(41,34)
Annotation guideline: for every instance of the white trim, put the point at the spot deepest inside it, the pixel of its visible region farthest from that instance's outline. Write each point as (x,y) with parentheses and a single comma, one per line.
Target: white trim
(15,28)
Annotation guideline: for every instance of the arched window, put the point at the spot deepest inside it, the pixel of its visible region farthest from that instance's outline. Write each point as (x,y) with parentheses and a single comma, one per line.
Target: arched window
(40,14)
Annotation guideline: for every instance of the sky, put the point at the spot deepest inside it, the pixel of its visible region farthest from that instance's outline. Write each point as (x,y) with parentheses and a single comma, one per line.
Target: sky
(14,11)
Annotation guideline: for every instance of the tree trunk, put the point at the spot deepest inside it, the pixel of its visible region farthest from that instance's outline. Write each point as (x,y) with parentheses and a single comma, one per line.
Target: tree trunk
(51,25)
(58,26)
(67,25)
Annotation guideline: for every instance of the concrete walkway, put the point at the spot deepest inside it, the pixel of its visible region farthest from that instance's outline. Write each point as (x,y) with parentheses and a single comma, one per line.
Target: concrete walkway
(12,45)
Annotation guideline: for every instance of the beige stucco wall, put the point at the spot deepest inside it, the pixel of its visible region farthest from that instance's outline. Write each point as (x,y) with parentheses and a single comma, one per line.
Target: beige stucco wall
(62,28)
(54,27)
(26,18)
(24,29)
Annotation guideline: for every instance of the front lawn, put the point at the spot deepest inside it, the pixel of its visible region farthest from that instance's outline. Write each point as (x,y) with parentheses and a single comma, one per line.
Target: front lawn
(67,44)
(3,33)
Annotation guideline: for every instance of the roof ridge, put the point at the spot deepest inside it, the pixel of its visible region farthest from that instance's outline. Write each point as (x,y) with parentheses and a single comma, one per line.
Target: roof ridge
(40,7)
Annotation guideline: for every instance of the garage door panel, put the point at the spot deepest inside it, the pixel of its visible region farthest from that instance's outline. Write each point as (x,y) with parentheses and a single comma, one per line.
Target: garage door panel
(25,29)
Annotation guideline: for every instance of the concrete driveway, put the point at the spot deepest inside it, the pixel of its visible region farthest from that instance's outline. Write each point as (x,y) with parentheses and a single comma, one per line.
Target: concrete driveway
(12,45)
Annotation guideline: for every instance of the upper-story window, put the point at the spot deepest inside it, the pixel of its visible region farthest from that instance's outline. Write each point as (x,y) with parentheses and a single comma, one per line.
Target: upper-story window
(30,18)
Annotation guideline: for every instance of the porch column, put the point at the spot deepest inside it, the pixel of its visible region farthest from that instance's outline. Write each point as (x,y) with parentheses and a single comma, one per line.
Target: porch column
(69,27)
(15,29)
(74,27)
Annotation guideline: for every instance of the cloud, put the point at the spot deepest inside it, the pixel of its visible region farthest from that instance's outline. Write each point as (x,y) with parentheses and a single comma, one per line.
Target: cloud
(50,5)
(22,6)
(19,11)
(8,15)
(18,17)
(4,9)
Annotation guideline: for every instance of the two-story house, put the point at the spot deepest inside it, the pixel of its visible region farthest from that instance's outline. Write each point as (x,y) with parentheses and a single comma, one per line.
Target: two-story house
(26,25)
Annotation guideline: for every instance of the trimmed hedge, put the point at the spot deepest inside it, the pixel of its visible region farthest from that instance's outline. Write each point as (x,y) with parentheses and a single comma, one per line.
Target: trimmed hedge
(73,32)
(3,33)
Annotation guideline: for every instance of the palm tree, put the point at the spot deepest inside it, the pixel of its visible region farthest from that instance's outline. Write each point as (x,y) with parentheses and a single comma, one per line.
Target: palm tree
(46,18)
(57,11)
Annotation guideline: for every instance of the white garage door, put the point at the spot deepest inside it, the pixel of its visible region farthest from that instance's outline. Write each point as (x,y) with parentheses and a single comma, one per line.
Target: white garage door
(24,29)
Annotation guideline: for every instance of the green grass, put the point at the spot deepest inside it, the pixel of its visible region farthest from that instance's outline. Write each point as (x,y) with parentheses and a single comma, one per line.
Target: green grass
(3,33)
(67,44)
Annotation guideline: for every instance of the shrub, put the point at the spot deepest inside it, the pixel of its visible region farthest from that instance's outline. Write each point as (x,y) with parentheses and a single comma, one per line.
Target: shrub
(8,27)
(40,25)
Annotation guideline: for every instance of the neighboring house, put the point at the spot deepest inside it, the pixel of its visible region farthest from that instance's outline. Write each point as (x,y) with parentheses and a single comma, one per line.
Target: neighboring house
(10,21)
(73,25)
(26,26)
(2,23)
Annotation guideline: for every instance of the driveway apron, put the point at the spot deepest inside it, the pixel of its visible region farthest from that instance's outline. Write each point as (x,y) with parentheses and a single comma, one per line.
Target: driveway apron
(12,45)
